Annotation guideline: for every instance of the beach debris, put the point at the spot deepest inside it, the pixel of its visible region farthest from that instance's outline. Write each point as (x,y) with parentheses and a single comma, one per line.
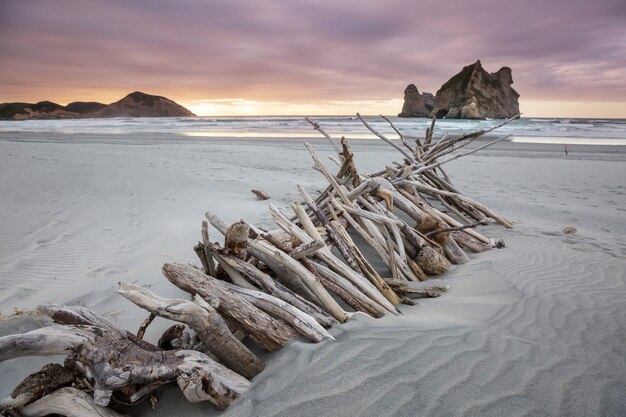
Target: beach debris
(261,195)
(570,230)
(271,286)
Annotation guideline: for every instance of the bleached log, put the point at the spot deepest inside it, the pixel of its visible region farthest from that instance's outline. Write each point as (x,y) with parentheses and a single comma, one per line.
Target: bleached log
(351,294)
(303,323)
(284,264)
(263,329)
(200,316)
(276,289)
(424,289)
(69,402)
(234,275)
(307,249)
(77,315)
(285,272)
(480,207)
(326,255)
(340,243)
(116,362)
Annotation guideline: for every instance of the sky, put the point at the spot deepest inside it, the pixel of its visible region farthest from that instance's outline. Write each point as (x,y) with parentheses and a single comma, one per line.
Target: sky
(232,57)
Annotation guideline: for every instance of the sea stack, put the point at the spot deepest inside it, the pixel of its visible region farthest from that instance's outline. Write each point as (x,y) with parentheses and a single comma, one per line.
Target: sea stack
(474,93)
(413,103)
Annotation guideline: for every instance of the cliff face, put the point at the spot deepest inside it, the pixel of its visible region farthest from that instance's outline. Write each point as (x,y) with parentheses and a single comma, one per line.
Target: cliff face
(133,105)
(414,103)
(473,93)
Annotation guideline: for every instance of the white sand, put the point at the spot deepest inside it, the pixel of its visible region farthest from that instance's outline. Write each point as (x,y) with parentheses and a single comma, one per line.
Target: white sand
(535,329)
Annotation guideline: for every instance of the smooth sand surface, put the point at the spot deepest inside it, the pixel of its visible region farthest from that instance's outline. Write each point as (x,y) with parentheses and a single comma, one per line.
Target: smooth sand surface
(535,329)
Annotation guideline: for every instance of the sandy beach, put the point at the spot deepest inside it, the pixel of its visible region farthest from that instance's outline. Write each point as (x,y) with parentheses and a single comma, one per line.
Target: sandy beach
(535,329)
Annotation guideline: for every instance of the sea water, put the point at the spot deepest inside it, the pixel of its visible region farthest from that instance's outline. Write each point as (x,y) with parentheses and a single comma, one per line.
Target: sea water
(530,130)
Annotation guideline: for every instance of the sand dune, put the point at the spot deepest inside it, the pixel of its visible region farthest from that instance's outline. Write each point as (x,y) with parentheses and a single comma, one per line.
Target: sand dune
(535,329)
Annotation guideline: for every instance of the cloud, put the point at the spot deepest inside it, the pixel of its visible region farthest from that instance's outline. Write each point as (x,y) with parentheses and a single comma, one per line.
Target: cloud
(304,50)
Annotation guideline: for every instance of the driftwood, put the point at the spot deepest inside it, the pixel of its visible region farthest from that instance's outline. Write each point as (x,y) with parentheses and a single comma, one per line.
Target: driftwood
(303,323)
(49,379)
(308,274)
(209,326)
(263,329)
(69,402)
(261,195)
(116,362)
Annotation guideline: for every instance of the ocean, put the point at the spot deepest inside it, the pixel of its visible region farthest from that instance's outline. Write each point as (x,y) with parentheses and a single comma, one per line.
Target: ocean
(529,130)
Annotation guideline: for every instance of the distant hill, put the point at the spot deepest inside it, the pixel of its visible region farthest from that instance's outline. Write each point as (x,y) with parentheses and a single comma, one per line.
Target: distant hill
(136,104)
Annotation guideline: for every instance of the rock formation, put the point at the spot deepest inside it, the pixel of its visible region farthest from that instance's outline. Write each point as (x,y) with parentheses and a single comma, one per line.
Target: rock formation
(414,105)
(473,93)
(136,104)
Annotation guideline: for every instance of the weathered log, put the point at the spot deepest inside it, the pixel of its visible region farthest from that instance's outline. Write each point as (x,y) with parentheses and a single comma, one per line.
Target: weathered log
(350,294)
(303,323)
(346,253)
(424,289)
(276,289)
(236,277)
(284,273)
(284,264)
(263,329)
(69,402)
(116,362)
(199,250)
(326,255)
(38,384)
(78,315)
(209,326)
(307,249)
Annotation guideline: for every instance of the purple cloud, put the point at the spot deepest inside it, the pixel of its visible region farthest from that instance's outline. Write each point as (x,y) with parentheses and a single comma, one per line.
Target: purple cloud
(307,50)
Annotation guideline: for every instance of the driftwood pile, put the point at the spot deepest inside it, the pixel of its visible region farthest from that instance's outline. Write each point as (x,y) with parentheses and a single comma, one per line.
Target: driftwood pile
(267,286)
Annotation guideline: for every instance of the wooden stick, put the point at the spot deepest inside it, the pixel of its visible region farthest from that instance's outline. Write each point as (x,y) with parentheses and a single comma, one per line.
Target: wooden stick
(317,127)
(406,154)
(207,249)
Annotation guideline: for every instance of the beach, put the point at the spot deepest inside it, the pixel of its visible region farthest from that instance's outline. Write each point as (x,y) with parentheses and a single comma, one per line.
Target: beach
(537,328)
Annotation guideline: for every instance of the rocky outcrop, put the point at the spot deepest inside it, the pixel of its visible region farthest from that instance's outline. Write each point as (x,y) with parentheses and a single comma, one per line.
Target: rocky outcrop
(473,93)
(40,110)
(85,107)
(429,101)
(139,104)
(414,103)
(136,104)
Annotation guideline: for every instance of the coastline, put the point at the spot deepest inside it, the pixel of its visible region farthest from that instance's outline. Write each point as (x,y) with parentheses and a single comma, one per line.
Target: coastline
(539,322)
